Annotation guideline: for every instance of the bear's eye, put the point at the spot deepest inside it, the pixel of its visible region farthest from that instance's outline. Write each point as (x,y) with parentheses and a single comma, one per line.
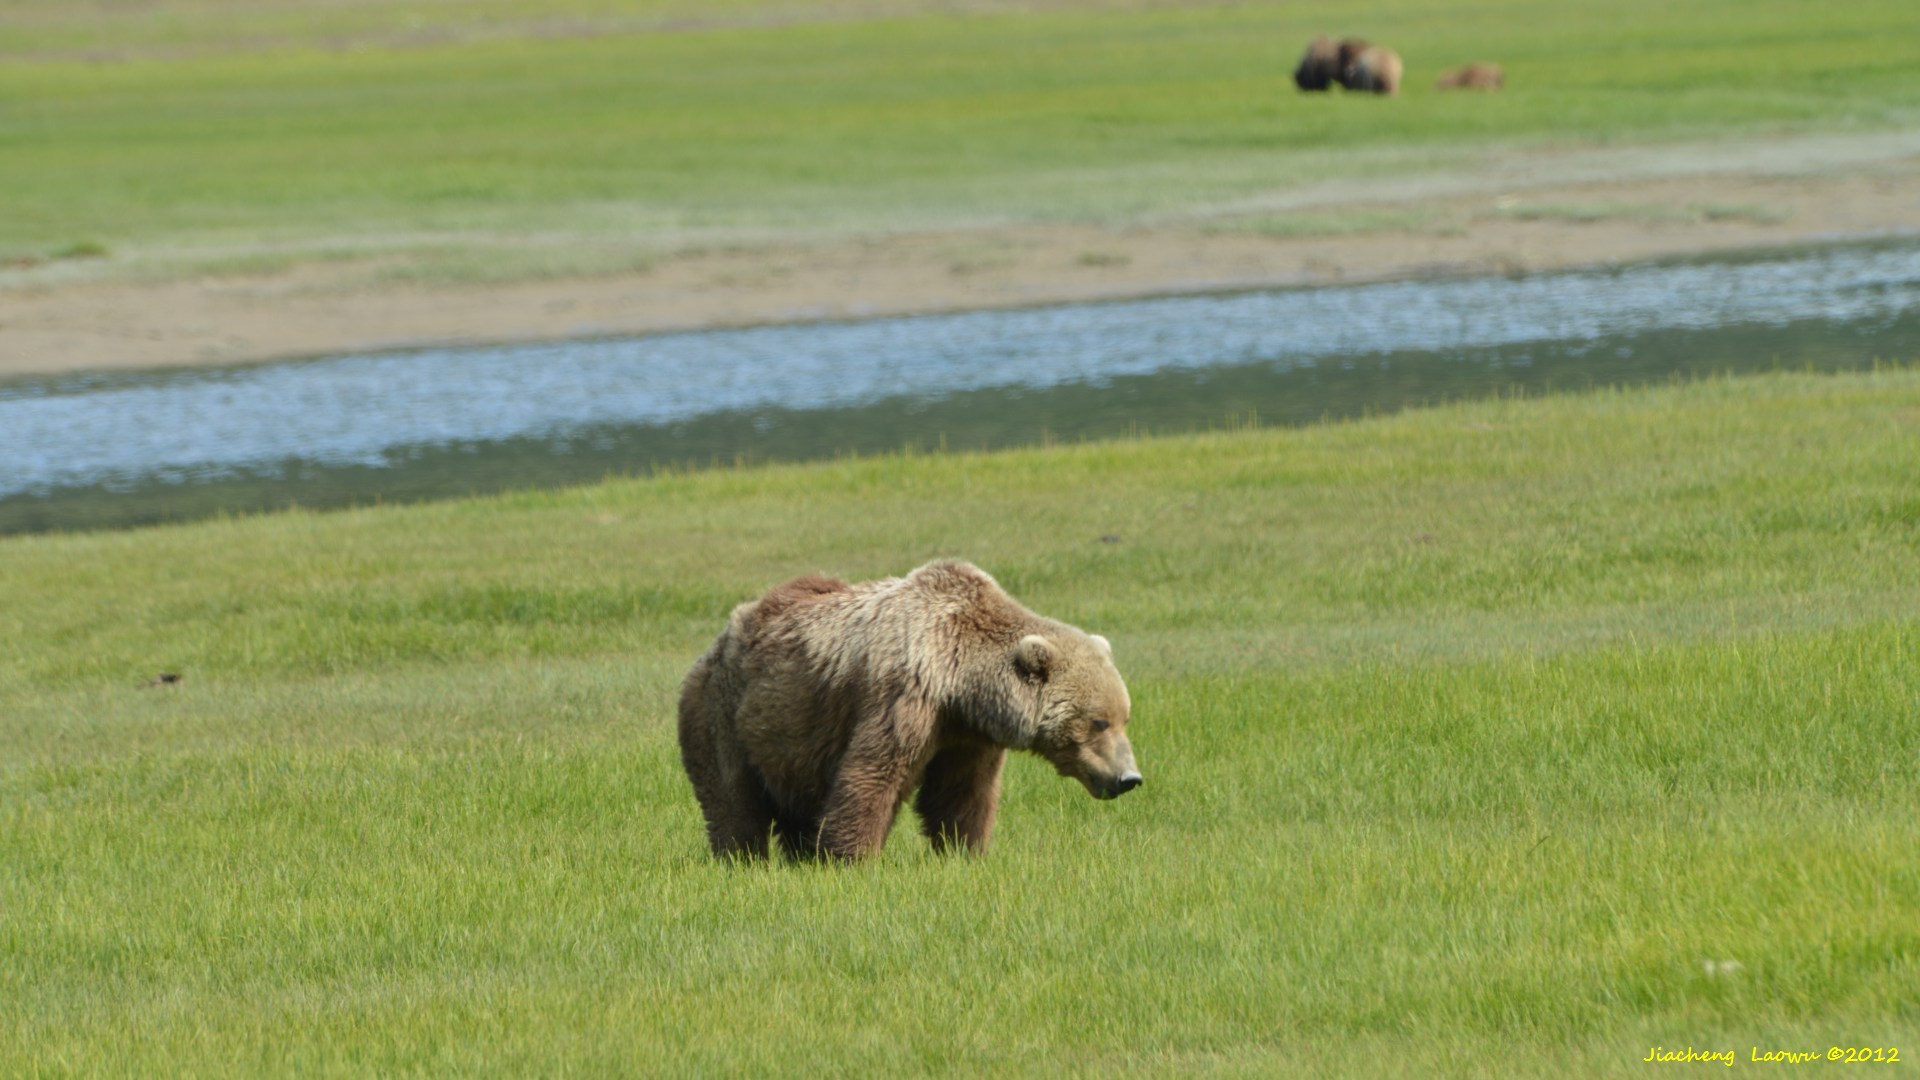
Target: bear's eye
(1101,725)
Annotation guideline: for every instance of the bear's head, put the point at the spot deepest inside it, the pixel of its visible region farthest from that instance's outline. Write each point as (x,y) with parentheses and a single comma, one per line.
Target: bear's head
(1082,709)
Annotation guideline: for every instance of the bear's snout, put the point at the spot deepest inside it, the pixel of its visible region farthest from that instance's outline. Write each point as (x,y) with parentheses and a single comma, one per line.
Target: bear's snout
(1107,766)
(1118,786)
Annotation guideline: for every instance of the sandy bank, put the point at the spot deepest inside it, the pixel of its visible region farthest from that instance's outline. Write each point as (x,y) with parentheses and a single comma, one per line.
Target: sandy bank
(1570,210)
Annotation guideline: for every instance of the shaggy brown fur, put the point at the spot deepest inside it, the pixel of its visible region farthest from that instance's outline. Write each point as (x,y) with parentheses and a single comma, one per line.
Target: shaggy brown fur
(1472,77)
(1320,66)
(1373,69)
(822,706)
(1349,49)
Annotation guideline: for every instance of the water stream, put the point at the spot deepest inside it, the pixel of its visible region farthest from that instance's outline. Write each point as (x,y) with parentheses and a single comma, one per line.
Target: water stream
(124,449)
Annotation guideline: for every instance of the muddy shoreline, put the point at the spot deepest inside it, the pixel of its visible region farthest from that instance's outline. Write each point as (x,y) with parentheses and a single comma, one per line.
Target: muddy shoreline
(1490,227)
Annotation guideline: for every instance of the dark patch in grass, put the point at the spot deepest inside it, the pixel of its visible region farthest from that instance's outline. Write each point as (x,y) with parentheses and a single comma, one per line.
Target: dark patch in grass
(83,249)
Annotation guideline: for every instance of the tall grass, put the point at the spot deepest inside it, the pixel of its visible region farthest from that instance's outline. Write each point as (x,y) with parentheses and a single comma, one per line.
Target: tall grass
(218,135)
(1501,739)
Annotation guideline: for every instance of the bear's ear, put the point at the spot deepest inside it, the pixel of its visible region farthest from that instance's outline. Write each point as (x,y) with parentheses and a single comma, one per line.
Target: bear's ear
(1103,645)
(1033,657)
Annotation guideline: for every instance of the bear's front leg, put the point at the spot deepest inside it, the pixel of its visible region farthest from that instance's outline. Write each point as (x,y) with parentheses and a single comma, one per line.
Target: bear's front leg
(960,796)
(872,782)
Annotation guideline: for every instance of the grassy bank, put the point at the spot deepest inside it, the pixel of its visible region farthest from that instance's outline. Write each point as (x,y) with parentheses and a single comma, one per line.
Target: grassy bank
(544,137)
(1508,738)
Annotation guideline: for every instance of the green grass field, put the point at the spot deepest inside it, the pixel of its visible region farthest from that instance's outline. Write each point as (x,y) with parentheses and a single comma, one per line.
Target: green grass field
(523,137)
(1505,739)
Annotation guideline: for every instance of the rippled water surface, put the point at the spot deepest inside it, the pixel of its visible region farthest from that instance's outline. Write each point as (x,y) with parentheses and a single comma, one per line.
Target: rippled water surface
(129,448)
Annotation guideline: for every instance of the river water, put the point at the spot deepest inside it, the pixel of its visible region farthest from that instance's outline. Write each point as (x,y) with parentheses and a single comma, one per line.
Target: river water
(124,449)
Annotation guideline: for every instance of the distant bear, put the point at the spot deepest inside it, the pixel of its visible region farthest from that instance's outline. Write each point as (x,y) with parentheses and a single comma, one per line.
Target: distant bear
(1472,77)
(822,706)
(1373,68)
(1345,54)
(1320,66)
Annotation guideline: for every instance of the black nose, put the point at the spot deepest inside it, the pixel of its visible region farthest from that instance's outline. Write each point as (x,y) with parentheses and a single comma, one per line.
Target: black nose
(1127,783)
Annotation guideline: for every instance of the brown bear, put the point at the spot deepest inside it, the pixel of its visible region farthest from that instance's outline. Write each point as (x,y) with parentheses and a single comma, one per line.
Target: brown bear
(1344,55)
(1472,77)
(822,706)
(1320,66)
(1371,68)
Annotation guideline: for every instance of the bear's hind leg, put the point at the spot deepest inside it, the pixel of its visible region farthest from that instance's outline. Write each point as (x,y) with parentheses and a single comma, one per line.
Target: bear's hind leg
(960,795)
(738,811)
(734,802)
(738,827)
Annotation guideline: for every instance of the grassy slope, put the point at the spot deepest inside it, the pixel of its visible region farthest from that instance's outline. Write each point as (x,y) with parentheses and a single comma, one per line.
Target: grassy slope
(1470,733)
(228,135)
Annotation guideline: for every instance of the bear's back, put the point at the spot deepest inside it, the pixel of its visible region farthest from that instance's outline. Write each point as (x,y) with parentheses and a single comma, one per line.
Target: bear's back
(917,629)
(800,590)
